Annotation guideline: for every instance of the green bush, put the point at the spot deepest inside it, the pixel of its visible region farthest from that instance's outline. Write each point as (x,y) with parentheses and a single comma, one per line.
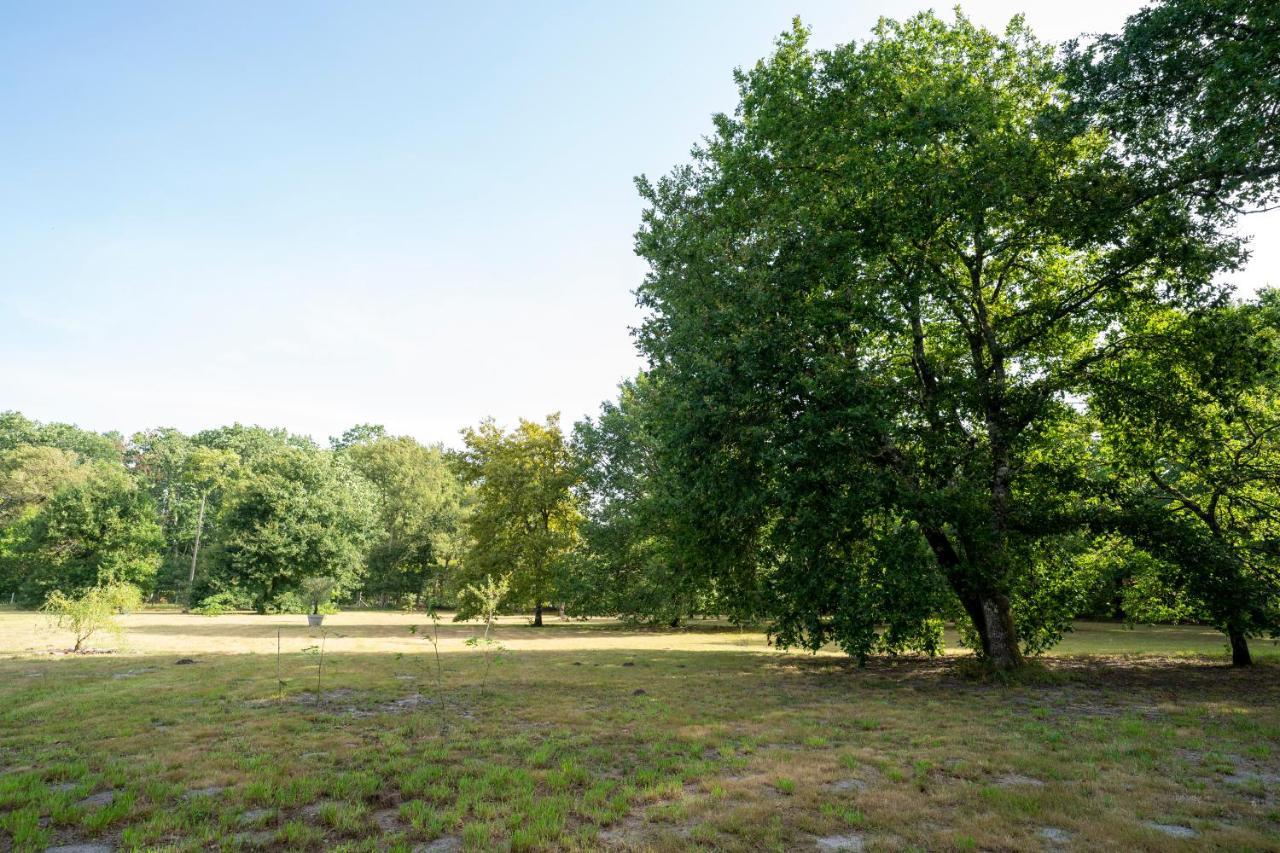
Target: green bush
(222,602)
(92,611)
(295,603)
(318,591)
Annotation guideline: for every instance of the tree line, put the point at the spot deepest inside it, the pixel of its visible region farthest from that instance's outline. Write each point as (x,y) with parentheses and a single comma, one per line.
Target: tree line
(939,328)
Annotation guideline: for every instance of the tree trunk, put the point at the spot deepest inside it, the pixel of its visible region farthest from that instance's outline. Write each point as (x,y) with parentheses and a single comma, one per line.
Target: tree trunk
(537,615)
(562,610)
(963,586)
(1000,643)
(195,551)
(1239,648)
(973,606)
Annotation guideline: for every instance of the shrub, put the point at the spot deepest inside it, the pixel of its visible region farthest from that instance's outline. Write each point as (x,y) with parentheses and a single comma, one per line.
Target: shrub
(222,602)
(294,603)
(317,591)
(92,611)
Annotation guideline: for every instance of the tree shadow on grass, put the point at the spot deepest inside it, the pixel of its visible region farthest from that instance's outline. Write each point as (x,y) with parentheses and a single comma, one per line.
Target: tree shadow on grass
(213,627)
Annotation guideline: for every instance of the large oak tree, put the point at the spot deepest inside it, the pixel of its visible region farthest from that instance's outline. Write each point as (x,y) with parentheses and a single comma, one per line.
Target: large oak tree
(872,296)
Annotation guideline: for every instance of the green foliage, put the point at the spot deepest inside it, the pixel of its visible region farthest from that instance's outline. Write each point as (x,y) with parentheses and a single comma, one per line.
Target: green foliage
(222,602)
(30,475)
(16,430)
(884,595)
(1130,584)
(1191,429)
(421,505)
(870,296)
(186,480)
(317,591)
(92,611)
(484,600)
(99,528)
(293,513)
(70,517)
(1148,597)
(293,602)
(360,435)
(526,516)
(628,564)
(1192,90)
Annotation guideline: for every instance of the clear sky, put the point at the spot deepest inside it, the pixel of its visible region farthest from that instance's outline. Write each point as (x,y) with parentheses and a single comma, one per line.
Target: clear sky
(311,215)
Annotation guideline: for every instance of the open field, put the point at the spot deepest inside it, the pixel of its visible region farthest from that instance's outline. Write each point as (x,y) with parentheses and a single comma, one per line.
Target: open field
(593,735)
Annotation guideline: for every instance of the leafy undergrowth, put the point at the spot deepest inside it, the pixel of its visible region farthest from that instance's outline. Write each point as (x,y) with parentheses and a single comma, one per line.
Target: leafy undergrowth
(658,750)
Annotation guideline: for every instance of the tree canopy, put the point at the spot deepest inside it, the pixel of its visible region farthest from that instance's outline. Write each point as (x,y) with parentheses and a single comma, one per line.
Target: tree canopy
(526,517)
(872,295)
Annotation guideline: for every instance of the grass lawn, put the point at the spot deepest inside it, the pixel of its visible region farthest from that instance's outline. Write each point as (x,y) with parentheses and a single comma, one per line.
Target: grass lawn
(596,736)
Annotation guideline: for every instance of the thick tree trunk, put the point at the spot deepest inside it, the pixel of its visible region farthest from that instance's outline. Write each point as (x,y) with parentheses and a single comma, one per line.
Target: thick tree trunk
(973,606)
(537,615)
(1239,648)
(973,603)
(1000,643)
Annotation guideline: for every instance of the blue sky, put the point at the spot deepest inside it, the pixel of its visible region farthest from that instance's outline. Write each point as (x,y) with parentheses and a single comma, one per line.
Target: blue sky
(311,215)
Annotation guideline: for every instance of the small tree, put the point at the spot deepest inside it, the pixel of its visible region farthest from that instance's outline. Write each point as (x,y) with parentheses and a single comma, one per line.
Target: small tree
(484,599)
(92,611)
(318,591)
(526,516)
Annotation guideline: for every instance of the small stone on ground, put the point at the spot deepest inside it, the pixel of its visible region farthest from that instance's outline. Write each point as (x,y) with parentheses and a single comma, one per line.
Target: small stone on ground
(81,848)
(387,820)
(448,844)
(1055,835)
(261,838)
(853,841)
(313,810)
(848,785)
(1248,777)
(1011,779)
(252,816)
(1171,829)
(211,791)
(102,798)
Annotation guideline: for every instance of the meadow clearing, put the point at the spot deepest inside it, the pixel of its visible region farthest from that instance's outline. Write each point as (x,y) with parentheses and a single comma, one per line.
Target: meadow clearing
(596,735)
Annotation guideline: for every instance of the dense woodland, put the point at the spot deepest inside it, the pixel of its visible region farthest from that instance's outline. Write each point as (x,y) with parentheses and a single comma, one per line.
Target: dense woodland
(941,326)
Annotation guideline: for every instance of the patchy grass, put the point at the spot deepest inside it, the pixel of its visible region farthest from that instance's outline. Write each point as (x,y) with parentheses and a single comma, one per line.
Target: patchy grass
(729,746)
